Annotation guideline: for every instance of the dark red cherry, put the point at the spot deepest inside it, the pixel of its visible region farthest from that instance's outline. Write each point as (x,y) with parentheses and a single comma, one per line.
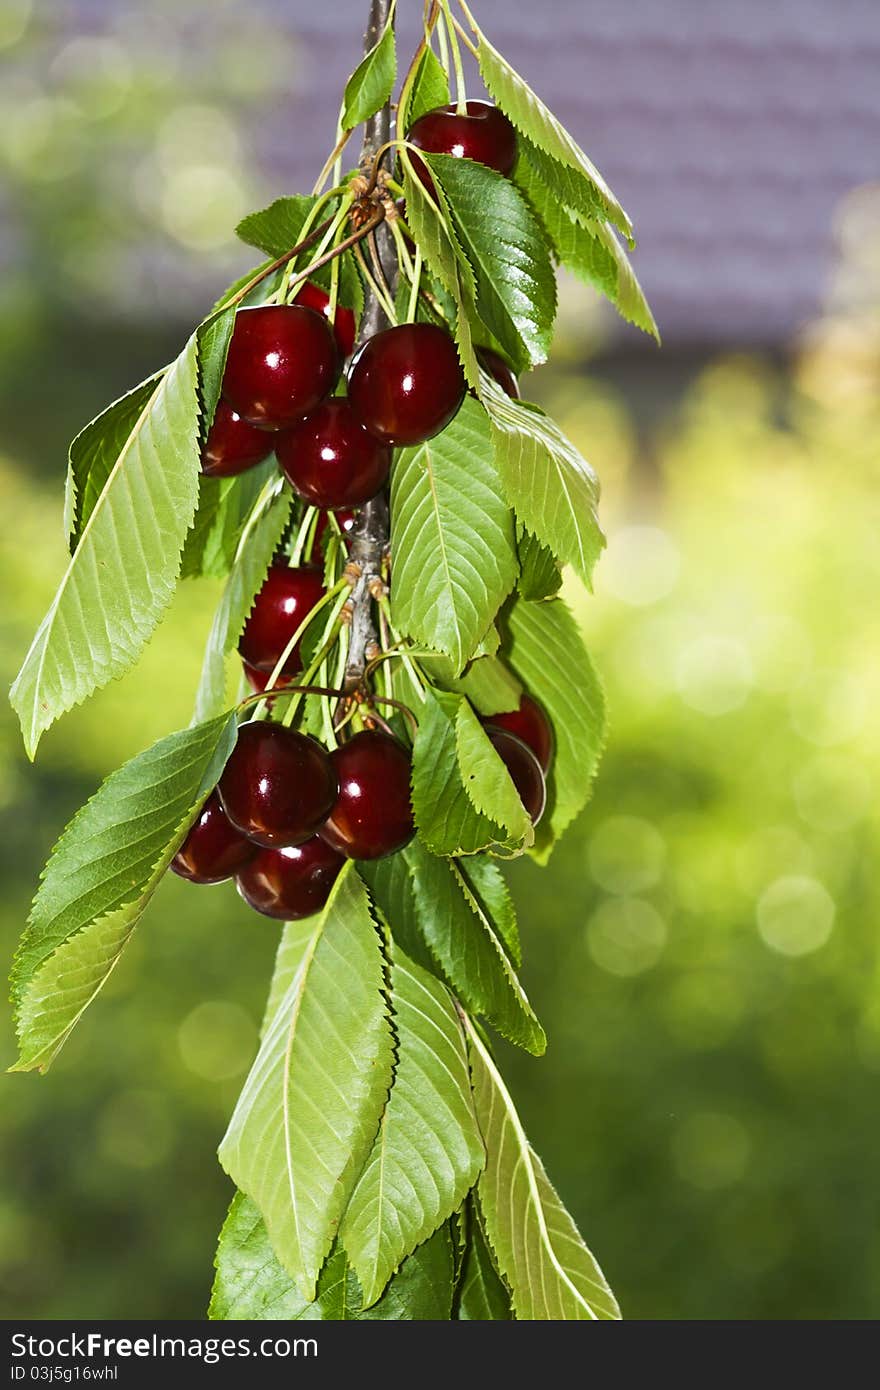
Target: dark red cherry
(282,362)
(484,134)
(213,850)
(495,365)
(372,815)
(313,297)
(232,445)
(525,771)
(290,883)
(278,786)
(406,383)
(287,596)
(345,518)
(529,723)
(329,458)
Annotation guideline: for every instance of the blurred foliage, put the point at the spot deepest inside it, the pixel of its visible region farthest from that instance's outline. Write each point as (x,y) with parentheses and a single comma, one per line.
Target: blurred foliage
(702,947)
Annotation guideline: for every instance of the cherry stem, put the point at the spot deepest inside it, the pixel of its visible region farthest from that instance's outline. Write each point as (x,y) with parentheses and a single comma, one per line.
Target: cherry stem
(460,93)
(276,691)
(371,530)
(465,38)
(370,226)
(313,236)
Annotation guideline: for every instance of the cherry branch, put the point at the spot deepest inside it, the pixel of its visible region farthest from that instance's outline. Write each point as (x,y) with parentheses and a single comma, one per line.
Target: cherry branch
(371,531)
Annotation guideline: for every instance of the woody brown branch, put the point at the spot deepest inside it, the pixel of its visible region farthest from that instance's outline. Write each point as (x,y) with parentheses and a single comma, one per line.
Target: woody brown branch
(371,532)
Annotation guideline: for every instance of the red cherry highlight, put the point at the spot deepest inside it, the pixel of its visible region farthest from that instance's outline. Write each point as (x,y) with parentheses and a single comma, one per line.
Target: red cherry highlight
(372,815)
(278,786)
(287,596)
(484,134)
(232,445)
(282,362)
(290,883)
(406,383)
(330,460)
(213,850)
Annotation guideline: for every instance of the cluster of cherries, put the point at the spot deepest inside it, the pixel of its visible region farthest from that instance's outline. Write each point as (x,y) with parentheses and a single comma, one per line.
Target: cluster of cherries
(287,813)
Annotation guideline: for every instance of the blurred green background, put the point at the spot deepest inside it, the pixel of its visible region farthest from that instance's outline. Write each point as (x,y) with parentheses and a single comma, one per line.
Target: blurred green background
(703,946)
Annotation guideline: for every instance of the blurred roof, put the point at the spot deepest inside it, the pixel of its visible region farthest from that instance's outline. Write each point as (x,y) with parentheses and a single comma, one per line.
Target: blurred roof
(730,132)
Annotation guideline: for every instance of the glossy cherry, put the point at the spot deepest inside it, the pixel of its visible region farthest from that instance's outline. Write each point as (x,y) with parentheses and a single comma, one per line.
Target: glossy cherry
(330,460)
(406,383)
(213,850)
(278,786)
(282,362)
(232,445)
(372,815)
(524,768)
(345,518)
(290,883)
(529,723)
(288,594)
(484,134)
(501,371)
(313,297)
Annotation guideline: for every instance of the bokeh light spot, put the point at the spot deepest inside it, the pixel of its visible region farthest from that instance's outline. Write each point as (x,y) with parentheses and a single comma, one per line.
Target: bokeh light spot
(626,855)
(795,915)
(640,566)
(715,675)
(626,936)
(217,1040)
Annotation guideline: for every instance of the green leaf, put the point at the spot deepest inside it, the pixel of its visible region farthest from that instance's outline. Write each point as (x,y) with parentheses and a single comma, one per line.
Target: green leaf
(430,89)
(550,1272)
(224,506)
(435,903)
(372,81)
(251,1285)
(95,450)
(100,878)
(452,538)
(428,1153)
(486,882)
(431,225)
(446,817)
(508,249)
(214,336)
(122,576)
(590,248)
(545,648)
(538,124)
(277,228)
(482,1296)
(486,778)
(245,579)
(310,1108)
(552,489)
(539,573)
(487,683)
